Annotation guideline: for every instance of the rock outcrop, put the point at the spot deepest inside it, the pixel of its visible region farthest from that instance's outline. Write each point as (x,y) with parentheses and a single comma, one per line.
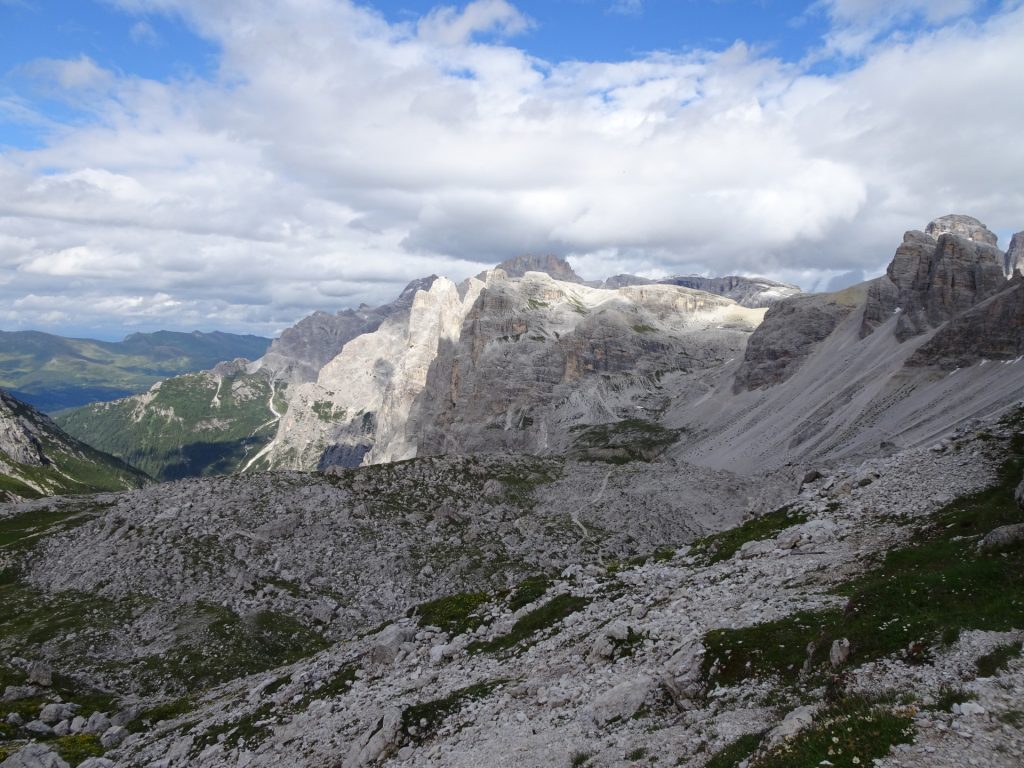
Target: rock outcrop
(557,268)
(37,458)
(303,349)
(932,280)
(1015,255)
(991,330)
(962,226)
(789,333)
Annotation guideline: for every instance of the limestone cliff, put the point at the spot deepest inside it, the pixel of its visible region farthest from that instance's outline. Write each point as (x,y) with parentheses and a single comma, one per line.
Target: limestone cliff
(932,279)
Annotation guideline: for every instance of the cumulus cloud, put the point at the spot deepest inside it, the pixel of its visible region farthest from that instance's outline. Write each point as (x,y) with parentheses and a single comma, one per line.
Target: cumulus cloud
(334,157)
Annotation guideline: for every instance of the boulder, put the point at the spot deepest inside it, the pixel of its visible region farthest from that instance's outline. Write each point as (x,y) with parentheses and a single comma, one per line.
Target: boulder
(1002,538)
(609,637)
(388,642)
(621,702)
(54,713)
(113,736)
(97,762)
(791,725)
(39,728)
(683,678)
(40,673)
(34,756)
(98,723)
(379,739)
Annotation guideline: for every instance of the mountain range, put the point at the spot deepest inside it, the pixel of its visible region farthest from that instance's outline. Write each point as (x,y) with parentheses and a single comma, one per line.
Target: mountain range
(526,521)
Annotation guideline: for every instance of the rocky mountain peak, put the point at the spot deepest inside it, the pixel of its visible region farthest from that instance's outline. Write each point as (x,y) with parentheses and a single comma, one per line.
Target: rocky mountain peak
(936,275)
(555,266)
(19,437)
(964,226)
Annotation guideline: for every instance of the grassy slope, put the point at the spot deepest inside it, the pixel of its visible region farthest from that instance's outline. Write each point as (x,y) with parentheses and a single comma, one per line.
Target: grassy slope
(180,432)
(52,372)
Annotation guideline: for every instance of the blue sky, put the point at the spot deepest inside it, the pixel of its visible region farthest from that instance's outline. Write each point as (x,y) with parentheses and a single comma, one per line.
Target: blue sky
(195,164)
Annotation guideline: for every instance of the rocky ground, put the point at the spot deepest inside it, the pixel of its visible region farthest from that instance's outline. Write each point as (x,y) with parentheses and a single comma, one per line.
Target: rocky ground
(859,621)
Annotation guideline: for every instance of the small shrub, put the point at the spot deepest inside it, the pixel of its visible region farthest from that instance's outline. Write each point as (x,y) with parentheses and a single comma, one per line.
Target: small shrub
(735,753)
(998,659)
(580,759)
(78,747)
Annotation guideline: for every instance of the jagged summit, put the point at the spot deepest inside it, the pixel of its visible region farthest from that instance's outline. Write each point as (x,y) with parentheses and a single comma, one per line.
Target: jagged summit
(555,266)
(935,275)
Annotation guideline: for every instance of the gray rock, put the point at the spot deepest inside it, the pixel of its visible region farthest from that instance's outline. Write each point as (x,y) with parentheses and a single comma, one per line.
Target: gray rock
(126,715)
(78,724)
(388,642)
(53,713)
(98,723)
(964,226)
(18,692)
(1015,255)
(1019,495)
(14,719)
(791,725)
(791,330)
(113,736)
(623,701)
(97,762)
(63,728)
(34,756)
(931,280)
(1002,538)
(992,330)
(39,728)
(557,268)
(839,652)
(40,673)
(376,741)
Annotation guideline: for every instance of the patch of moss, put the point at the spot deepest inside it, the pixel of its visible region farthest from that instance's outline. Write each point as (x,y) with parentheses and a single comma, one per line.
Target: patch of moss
(731,755)
(528,591)
(545,616)
(644,328)
(998,659)
(623,441)
(722,546)
(849,735)
(455,614)
(247,731)
(421,721)
(77,747)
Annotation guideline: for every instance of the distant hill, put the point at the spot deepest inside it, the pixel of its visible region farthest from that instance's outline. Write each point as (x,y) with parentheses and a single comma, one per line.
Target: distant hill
(53,373)
(37,458)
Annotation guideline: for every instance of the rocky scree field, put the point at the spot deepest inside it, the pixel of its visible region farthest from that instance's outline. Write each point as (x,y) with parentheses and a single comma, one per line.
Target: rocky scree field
(874,618)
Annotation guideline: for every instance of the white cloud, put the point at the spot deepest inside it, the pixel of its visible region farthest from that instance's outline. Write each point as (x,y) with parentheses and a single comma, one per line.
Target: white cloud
(627,7)
(336,157)
(142,33)
(447,26)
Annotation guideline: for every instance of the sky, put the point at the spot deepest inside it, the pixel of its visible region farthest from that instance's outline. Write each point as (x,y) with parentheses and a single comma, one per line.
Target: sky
(238,164)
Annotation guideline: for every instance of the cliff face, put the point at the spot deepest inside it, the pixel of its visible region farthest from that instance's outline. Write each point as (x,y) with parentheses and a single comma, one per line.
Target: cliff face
(790,331)
(992,330)
(37,458)
(538,358)
(936,275)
